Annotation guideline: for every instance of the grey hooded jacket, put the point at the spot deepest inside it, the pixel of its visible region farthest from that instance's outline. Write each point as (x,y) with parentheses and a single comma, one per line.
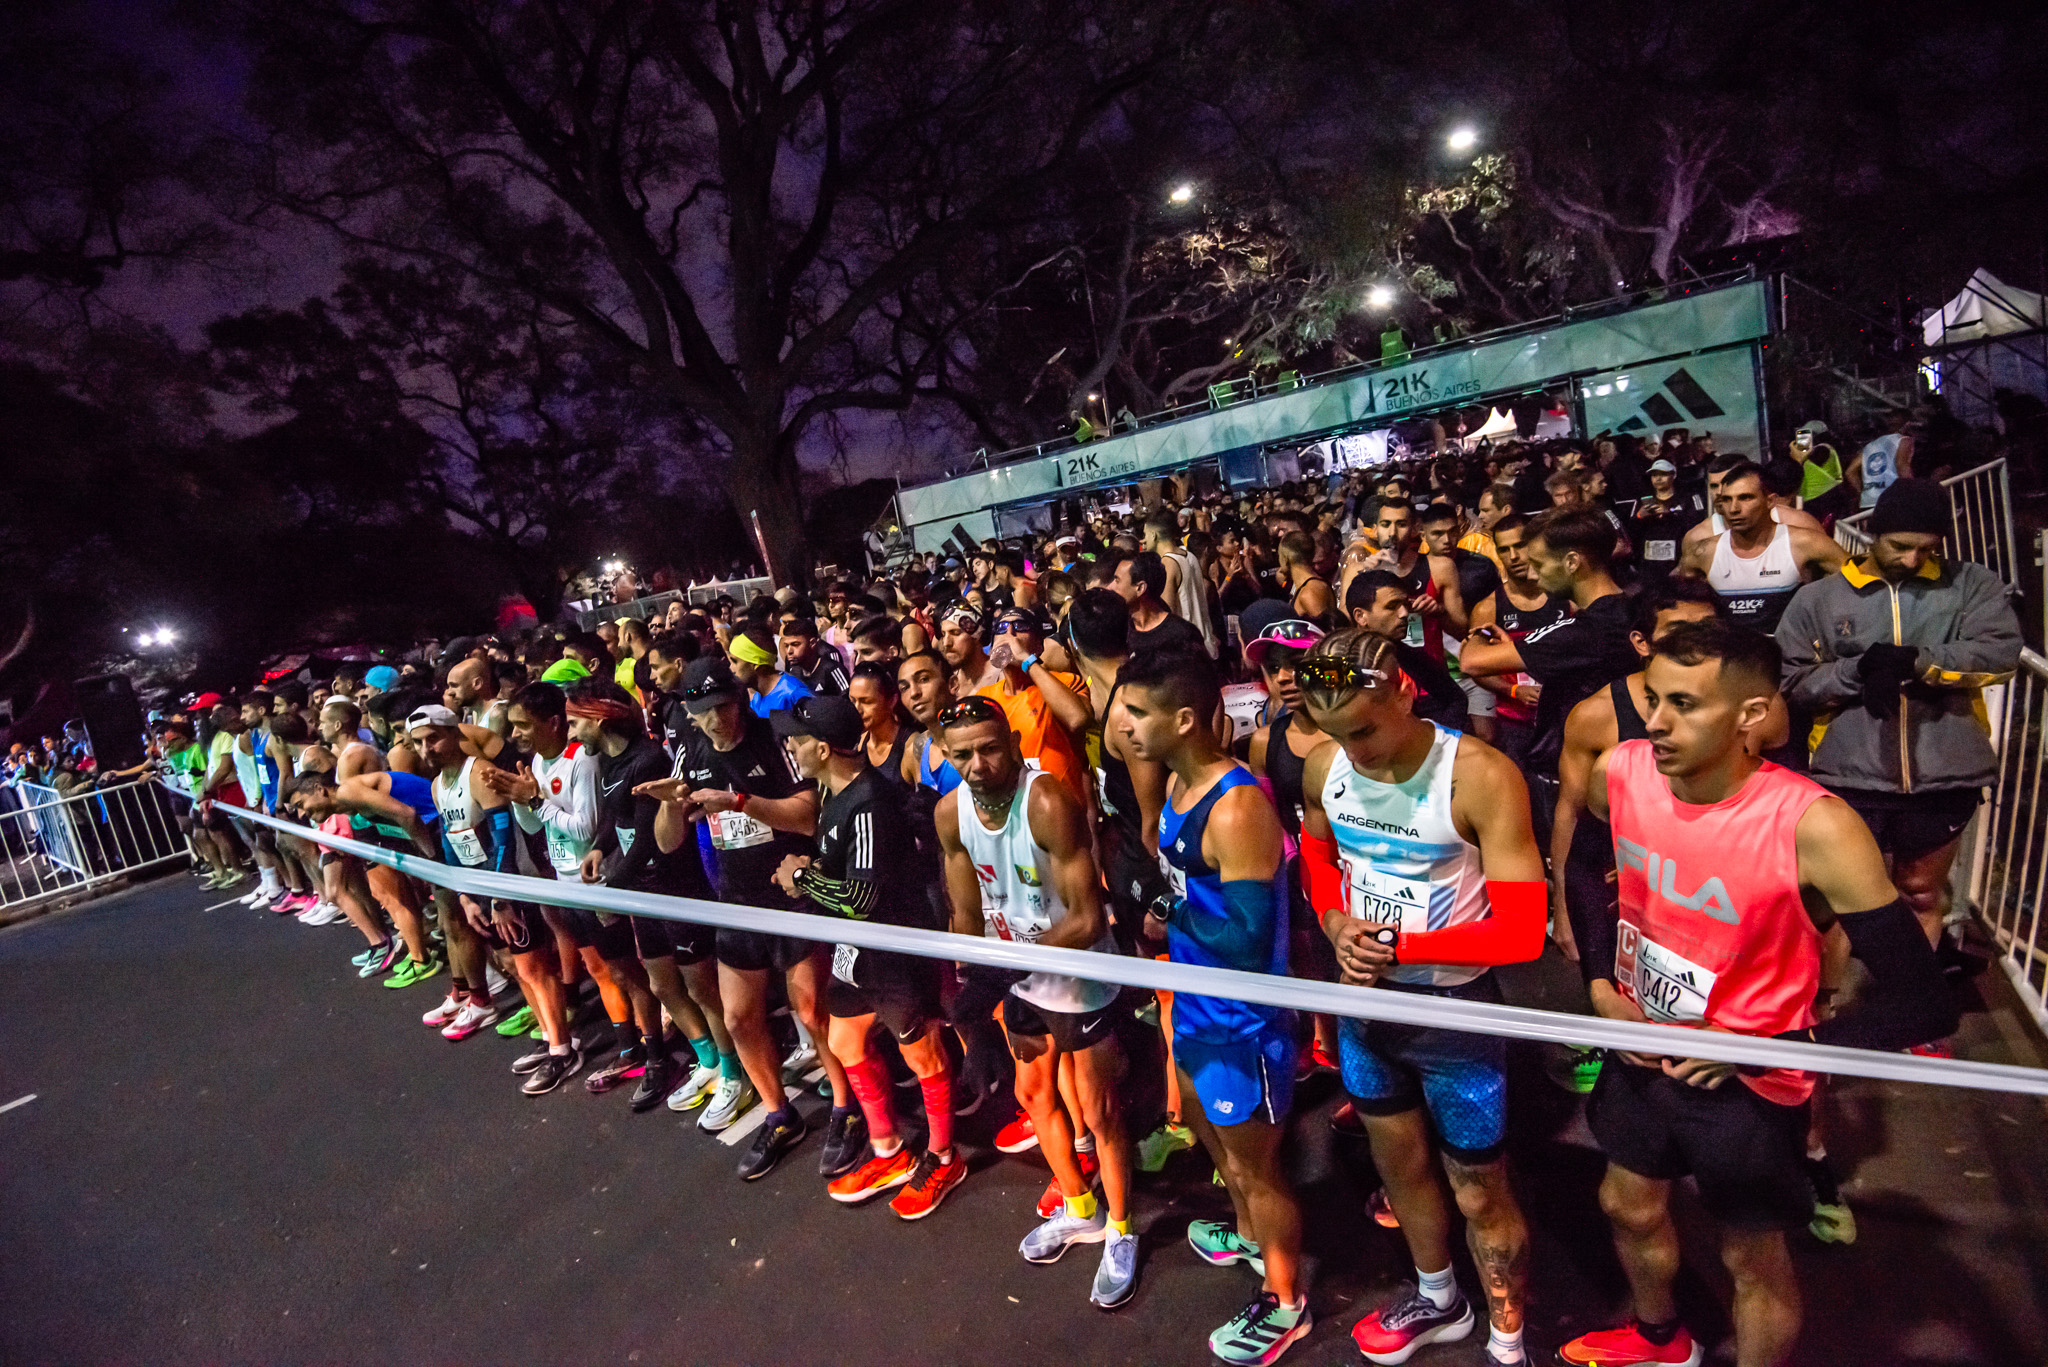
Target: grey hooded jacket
(1959,617)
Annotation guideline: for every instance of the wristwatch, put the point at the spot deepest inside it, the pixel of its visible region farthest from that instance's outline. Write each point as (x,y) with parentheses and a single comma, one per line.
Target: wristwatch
(1027,662)
(739,800)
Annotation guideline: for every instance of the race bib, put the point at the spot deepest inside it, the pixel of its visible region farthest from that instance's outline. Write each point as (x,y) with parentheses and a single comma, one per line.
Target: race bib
(1414,636)
(1374,894)
(1670,988)
(467,846)
(1660,550)
(842,963)
(1175,878)
(738,831)
(564,853)
(999,925)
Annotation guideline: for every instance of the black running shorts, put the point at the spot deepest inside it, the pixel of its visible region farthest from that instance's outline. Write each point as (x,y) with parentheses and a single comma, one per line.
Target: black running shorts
(1909,825)
(1071,1031)
(1744,1152)
(613,941)
(900,990)
(687,942)
(526,931)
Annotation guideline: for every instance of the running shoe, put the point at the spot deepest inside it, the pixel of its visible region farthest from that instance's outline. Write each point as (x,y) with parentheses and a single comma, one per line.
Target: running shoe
(1218,1245)
(846,1143)
(1163,1143)
(219,882)
(518,1023)
(772,1141)
(1052,1200)
(1939,1048)
(1322,1056)
(1382,1210)
(732,1100)
(969,1094)
(1260,1332)
(322,914)
(296,903)
(932,1183)
(695,1090)
(371,952)
(393,952)
(1019,1136)
(1572,1069)
(1394,1333)
(1344,1121)
(256,897)
(878,1174)
(473,1016)
(1061,1232)
(445,1012)
(552,1071)
(414,971)
(1833,1222)
(530,1060)
(799,1061)
(654,1084)
(1626,1347)
(1116,1276)
(627,1063)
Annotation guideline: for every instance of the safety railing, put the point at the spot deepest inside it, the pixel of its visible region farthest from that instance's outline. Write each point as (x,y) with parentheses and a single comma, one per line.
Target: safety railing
(2009,867)
(52,844)
(1980,503)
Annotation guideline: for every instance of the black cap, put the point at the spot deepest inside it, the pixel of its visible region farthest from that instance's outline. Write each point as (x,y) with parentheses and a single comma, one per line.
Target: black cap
(708,682)
(1912,505)
(833,720)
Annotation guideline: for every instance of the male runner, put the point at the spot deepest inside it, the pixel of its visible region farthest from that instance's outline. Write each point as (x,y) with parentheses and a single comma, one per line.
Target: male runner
(1732,945)
(1019,867)
(751,655)
(674,956)
(1517,606)
(753,811)
(1756,565)
(863,832)
(1308,593)
(395,811)
(1417,854)
(473,694)
(812,661)
(1221,847)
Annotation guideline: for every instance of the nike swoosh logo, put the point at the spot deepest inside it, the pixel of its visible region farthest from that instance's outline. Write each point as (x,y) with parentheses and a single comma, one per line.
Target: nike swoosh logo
(1089,1028)
(613,787)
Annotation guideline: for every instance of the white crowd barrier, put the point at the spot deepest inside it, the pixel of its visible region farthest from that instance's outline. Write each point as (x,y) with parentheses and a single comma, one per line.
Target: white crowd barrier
(1980,501)
(51,844)
(2009,872)
(1302,994)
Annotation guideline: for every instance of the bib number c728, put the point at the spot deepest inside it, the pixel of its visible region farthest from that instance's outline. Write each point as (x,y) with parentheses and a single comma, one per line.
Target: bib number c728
(466,844)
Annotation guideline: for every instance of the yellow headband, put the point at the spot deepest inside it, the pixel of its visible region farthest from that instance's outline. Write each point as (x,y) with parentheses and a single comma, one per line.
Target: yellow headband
(744,649)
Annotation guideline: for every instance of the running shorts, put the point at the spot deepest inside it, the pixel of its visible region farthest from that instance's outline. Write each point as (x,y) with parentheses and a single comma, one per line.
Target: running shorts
(687,942)
(900,990)
(1249,1079)
(1909,825)
(1071,1031)
(1459,1078)
(527,931)
(1744,1152)
(612,940)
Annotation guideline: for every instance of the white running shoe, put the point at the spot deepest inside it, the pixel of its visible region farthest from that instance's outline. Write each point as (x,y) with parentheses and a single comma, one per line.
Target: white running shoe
(326,914)
(256,898)
(445,1012)
(694,1090)
(801,1060)
(728,1103)
(470,1019)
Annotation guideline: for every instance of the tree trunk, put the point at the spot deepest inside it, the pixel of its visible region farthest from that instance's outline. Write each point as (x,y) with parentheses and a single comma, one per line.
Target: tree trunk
(770,508)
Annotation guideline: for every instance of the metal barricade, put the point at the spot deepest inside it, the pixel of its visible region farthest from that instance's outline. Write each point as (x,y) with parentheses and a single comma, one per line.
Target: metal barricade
(1980,501)
(51,844)
(2009,866)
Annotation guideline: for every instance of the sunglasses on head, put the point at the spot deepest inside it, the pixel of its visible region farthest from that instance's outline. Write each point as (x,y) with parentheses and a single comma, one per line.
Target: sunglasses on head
(1333,673)
(1289,630)
(970,711)
(699,691)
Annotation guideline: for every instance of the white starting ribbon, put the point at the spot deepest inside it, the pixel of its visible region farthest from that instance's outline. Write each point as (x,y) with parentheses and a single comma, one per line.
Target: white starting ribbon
(1302,994)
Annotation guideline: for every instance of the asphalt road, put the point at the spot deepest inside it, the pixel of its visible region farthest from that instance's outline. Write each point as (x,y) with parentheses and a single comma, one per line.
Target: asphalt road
(239,1152)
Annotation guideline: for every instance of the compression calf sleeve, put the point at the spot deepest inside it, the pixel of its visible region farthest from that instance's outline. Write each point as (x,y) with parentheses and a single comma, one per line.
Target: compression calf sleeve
(1512,934)
(1908,1001)
(938,1110)
(870,1081)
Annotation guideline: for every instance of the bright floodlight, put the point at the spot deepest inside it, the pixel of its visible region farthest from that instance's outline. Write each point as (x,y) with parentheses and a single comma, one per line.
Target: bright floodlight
(1182,194)
(1462,140)
(1379,297)
(145,639)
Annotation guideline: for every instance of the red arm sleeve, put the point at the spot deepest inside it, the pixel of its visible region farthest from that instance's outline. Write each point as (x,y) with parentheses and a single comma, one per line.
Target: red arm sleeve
(1511,935)
(1320,878)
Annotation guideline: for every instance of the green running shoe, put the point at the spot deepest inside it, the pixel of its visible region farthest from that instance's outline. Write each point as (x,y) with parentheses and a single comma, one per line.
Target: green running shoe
(1261,1332)
(413,971)
(516,1024)
(1220,1246)
(1573,1069)
(1163,1143)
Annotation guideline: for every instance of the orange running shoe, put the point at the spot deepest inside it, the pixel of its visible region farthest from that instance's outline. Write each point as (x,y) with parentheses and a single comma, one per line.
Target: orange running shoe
(1019,1136)
(1624,1347)
(873,1177)
(932,1183)
(1052,1202)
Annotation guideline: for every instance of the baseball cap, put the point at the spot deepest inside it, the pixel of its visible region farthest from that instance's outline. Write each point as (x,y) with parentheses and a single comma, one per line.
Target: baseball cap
(383,678)
(831,719)
(1268,622)
(707,683)
(564,670)
(431,714)
(207,700)
(1664,466)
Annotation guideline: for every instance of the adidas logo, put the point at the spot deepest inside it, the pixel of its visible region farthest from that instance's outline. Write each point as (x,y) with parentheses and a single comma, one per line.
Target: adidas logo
(757,772)
(1658,410)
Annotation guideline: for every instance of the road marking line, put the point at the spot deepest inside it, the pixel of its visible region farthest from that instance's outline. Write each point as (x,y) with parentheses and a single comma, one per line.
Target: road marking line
(230,902)
(751,1121)
(18,1101)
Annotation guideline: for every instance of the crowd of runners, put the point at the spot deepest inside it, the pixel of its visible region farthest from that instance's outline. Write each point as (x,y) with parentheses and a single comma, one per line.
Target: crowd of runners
(1390,729)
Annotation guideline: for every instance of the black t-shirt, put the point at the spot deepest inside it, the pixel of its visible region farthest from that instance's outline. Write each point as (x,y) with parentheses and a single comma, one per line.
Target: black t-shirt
(625,827)
(864,836)
(741,853)
(826,678)
(1173,633)
(1659,537)
(1477,576)
(671,722)
(1573,660)
(1440,699)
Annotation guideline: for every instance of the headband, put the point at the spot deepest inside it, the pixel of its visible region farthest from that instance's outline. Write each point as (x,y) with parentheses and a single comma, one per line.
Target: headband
(744,650)
(601,709)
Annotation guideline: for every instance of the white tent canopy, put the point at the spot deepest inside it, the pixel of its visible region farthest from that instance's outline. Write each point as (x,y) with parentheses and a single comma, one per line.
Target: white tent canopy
(1987,307)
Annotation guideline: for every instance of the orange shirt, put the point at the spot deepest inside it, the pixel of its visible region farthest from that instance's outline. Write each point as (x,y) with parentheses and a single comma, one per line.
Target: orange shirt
(1039,733)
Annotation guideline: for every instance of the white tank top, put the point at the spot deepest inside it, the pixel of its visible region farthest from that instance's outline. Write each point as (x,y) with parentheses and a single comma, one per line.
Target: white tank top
(1193,596)
(247,773)
(1019,902)
(1403,861)
(460,814)
(1719,524)
(1757,588)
